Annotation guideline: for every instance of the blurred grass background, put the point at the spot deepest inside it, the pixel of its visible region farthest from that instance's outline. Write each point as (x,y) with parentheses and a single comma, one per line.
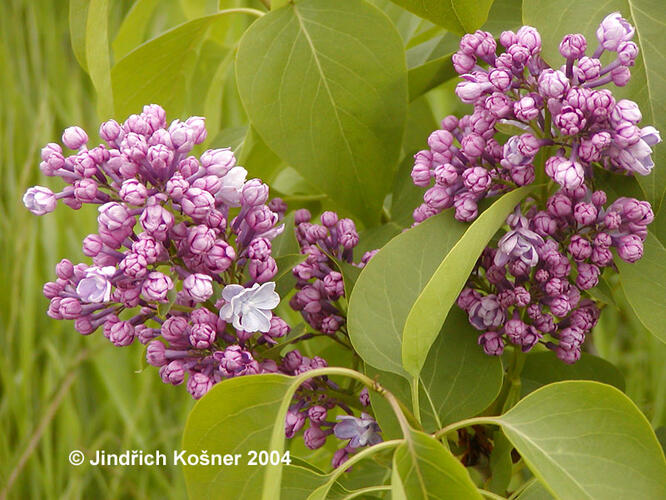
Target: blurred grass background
(60,391)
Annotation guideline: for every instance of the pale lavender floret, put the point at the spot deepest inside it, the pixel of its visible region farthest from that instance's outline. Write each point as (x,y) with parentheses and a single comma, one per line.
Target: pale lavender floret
(520,243)
(529,37)
(568,174)
(573,46)
(39,200)
(637,157)
(294,422)
(360,431)
(526,108)
(588,69)
(625,111)
(201,335)
(249,309)
(254,193)
(173,372)
(613,30)
(553,83)
(95,287)
(218,161)
(157,221)
(630,248)
(262,270)
(486,313)
(200,239)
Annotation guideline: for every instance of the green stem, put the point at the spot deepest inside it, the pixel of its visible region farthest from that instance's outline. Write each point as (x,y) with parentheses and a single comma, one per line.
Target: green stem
(466,423)
(363,491)
(490,494)
(513,376)
(416,408)
(243,10)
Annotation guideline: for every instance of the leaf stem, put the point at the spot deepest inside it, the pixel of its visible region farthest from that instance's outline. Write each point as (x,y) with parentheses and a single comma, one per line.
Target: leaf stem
(466,423)
(369,489)
(490,494)
(416,408)
(243,10)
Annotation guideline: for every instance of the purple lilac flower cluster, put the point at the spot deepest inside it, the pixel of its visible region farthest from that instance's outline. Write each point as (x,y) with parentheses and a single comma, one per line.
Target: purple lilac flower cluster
(561,107)
(182,262)
(319,284)
(530,287)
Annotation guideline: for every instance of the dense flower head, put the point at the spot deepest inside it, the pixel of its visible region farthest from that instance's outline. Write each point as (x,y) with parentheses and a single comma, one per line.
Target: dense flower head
(562,108)
(532,285)
(182,261)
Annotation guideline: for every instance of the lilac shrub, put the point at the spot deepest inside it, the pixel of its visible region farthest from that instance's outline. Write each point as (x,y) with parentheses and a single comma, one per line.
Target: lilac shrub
(531,286)
(182,262)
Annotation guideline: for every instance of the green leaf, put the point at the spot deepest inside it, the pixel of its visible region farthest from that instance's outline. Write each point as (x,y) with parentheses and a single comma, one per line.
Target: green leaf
(426,470)
(284,279)
(644,284)
(229,138)
(326,89)
(97,55)
(258,158)
(390,283)
(535,491)
(133,28)
(78,17)
(429,64)
(459,16)
(298,482)
(501,464)
(285,243)
(504,15)
(236,416)
(458,380)
(587,440)
(648,76)
(157,70)
(542,368)
(430,309)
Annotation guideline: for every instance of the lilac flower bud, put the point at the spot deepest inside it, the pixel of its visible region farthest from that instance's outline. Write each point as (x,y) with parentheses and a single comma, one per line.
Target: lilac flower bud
(508,38)
(421,174)
(198,385)
(69,308)
(262,270)
(173,373)
(580,248)
(601,256)
(621,76)
(627,53)
(570,121)
(197,203)
(156,286)
(137,124)
(585,213)
(553,83)
(218,161)
(177,186)
(314,437)
(466,207)
(529,37)
(120,333)
(469,91)
(92,245)
(74,137)
(134,265)
(279,328)
(174,329)
(347,233)
(259,249)
(487,45)
(527,108)
(133,192)
(568,174)
(198,126)
(501,79)
(559,205)
(519,56)
(160,157)
(567,353)
(467,298)
(422,212)
(440,140)
(554,287)
(64,269)
(39,200)
(543,224)
(476,179)
(468,43)
(155,353)
(625,111)
(334,286)
(515,329)
(560,306)
(157,221)
(492,343)
(200,239)
(463,63)
(182,136)
(254,193)
(203,316)
(220,256)
(486,313)
(630,248)
(293,423)
(446,174)
(499,105)
(202,335)
(613,30)
(589,67)
(110,131)
(588,276)
(198,286)
(522,296)
(573,46)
